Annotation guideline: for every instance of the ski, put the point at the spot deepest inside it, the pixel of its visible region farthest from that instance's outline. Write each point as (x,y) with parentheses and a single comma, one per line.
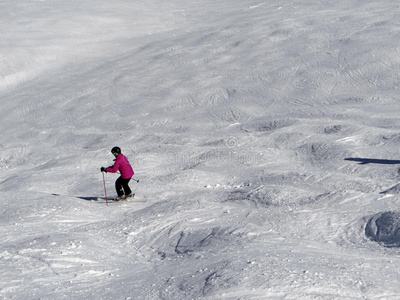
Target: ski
(133,199)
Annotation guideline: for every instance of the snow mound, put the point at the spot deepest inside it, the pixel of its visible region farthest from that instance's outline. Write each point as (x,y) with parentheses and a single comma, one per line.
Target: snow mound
(262,125)
(384,228)
(393,190)
(276,195)
(321,154)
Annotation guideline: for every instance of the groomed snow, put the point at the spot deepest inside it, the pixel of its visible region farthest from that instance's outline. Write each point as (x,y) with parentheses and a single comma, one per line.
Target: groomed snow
(265,135)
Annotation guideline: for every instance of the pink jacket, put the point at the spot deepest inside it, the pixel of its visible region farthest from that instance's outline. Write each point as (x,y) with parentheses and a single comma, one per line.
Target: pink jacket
(123,166)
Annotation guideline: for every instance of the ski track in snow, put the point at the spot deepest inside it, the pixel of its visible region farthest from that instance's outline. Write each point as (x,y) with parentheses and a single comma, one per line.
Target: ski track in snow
(265,136)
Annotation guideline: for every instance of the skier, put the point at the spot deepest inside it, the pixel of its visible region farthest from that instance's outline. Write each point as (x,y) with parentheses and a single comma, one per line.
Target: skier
(124,167)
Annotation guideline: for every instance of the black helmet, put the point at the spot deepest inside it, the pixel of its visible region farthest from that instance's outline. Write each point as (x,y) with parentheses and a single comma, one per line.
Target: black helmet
(116,150)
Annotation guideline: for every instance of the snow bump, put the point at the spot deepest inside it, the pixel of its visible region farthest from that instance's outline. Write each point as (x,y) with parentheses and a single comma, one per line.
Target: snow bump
(384,228)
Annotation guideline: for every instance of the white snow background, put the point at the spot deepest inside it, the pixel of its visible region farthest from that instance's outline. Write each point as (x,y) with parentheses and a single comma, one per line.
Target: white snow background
(265,135)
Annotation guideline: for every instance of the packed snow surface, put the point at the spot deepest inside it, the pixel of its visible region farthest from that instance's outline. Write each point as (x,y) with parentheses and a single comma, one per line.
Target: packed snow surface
(265,135)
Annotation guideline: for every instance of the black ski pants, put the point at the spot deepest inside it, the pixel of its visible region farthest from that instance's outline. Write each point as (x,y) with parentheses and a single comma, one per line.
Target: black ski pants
(122,187)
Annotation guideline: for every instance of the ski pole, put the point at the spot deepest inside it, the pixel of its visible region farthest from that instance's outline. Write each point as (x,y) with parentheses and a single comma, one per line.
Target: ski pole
(105,190)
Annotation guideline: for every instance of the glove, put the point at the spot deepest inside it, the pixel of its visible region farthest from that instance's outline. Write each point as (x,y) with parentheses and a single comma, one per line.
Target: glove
(102,169)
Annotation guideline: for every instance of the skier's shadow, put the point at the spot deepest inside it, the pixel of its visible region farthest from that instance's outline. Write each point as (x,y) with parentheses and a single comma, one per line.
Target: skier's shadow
(364,161)
(89,198)
(85,198)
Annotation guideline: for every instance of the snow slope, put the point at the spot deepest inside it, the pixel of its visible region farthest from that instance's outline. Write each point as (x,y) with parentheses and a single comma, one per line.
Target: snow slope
(265,135)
